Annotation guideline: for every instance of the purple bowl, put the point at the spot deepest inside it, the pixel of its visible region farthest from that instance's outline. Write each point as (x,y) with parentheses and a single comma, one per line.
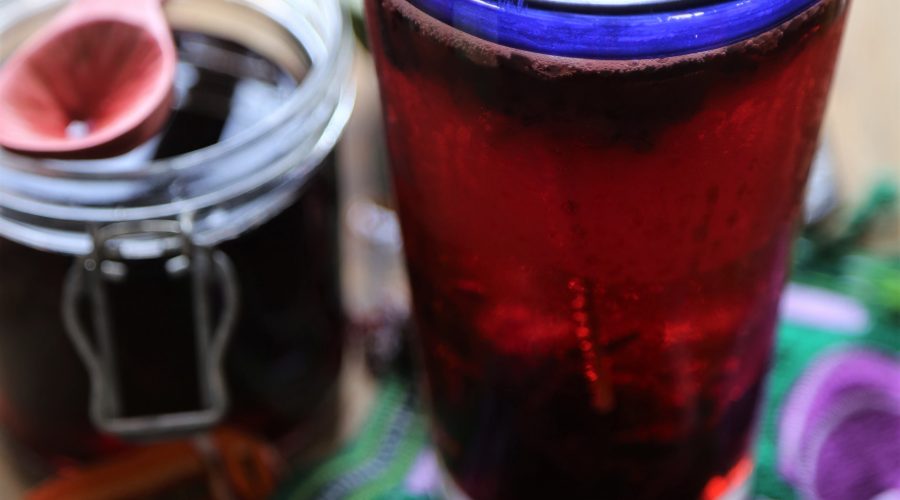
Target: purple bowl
(839,433)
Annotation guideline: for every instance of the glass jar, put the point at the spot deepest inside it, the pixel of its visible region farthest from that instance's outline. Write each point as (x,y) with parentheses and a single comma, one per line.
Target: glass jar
(597,199)
(194,279)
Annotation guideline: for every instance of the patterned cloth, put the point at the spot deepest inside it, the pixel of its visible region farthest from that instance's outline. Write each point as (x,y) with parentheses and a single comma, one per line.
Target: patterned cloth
(380,463)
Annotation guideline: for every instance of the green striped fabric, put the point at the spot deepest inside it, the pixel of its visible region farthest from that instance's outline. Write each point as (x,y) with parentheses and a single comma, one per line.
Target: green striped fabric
(374,465)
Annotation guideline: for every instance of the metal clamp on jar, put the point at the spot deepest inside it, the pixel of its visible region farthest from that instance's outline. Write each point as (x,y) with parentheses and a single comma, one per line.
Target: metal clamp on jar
(207,267)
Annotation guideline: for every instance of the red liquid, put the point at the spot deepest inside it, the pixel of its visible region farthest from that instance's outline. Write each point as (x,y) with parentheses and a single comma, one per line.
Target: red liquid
(597,249)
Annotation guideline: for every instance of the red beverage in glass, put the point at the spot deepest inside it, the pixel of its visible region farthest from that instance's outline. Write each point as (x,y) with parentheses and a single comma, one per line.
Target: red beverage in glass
(597,248)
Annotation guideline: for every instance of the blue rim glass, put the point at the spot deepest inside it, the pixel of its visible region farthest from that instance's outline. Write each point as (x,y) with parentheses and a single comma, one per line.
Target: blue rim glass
(614,29)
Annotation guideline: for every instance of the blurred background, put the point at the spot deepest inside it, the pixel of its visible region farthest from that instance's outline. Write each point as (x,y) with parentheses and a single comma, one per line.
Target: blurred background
(845,297)
(863,124)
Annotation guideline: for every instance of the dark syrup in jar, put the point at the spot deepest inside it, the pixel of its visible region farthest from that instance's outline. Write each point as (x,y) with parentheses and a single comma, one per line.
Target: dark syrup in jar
(285,352)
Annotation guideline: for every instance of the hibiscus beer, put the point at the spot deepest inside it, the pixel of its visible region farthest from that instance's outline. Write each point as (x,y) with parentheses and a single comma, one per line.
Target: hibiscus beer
(597,202)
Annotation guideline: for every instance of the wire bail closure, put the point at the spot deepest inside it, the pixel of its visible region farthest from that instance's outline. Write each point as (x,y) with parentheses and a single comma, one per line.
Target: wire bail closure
(85,283)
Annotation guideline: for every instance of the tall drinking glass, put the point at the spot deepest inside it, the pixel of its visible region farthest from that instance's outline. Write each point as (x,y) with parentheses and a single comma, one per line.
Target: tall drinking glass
(597,200)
